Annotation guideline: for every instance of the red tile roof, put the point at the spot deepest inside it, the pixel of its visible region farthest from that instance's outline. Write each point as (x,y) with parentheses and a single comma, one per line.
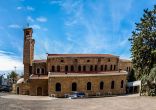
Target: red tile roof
(82,55)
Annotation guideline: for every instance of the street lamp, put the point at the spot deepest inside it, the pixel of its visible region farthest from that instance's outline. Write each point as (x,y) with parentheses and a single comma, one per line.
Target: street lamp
(15,68)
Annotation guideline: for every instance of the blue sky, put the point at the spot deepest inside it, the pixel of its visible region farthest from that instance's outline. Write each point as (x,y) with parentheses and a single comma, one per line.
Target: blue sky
(68,26)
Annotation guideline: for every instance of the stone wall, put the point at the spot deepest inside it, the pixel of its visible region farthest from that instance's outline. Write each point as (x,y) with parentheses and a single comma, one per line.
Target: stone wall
(66,84)
(40,65)
(36,83)
(81,61)
(22,88)
(125,65)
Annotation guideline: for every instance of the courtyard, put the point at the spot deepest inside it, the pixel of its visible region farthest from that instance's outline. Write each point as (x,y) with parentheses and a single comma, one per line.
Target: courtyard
(129,102)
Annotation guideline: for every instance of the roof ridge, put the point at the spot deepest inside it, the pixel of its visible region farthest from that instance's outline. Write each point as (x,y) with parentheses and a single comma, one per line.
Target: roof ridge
(97,55)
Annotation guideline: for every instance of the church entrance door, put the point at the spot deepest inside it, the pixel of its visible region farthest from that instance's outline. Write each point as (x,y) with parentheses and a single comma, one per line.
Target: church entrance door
(39,91)
(17,91)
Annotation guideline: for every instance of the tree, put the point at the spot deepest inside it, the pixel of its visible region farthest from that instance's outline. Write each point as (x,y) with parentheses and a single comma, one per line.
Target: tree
(143,43)
(152,80)
(131,76)
(149,82)
(13,76)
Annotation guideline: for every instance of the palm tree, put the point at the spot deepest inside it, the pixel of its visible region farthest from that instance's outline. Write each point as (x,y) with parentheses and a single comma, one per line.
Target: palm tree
(13,76)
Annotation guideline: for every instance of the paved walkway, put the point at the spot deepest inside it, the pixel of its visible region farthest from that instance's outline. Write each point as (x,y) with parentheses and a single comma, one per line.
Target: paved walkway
(128,102)
(25,97)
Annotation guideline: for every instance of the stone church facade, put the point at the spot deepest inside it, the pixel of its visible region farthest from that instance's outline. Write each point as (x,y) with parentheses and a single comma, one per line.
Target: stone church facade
(61,74)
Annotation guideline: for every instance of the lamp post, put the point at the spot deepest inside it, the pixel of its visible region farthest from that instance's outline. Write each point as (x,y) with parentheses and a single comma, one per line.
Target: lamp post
(15,69)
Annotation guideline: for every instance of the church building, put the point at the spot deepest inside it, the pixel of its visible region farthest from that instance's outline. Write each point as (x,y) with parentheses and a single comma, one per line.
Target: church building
(61,74)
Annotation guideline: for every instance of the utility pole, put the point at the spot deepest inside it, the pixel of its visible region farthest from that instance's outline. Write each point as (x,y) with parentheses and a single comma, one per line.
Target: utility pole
(15,69)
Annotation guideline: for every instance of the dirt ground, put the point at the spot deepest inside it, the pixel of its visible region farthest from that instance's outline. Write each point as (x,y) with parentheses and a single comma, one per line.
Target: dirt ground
(130,102)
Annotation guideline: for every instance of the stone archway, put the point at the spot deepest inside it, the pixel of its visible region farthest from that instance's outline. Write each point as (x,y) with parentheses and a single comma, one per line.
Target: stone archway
(39,91)
(17,90)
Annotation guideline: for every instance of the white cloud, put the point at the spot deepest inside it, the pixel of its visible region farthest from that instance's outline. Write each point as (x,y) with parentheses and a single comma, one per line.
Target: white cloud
(41,19)
(45,29)
(55,2)
(30,8)
(94,37)
(15,26)
(118,12)
(5,52)
(96,34)
(19,8)
(35,26)
(29,18)
(8,62)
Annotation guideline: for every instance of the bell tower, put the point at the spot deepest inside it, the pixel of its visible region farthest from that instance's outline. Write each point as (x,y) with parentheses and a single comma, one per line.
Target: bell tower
(28,52)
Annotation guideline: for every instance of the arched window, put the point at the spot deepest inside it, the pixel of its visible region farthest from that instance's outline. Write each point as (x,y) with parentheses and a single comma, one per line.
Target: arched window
(53,68)
(112,85)
(88,60)
(74,86)
(38,71)
(105,67)
(58,87)
(111,67)
(79,68)
(66,68)
(101,85)
(72,68)
(42,70)
(101,67)
(58,68)
(91,67)
(84,68)
(89,86)
(95,67)
(114,67)
(122,84)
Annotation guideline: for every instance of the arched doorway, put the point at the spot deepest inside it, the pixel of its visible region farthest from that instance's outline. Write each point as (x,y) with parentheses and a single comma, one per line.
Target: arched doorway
(74,86)
(101,85)
(112,84)
(17,90)
(58,87)
(122,84)
(39,91)
(89,86)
